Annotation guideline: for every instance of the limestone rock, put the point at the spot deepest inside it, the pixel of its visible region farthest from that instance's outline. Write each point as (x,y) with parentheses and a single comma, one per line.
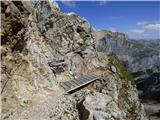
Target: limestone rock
(113,69)
(41,47)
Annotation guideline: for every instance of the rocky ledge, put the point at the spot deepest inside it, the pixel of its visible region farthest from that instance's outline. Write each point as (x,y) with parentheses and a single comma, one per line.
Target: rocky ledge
(41,47)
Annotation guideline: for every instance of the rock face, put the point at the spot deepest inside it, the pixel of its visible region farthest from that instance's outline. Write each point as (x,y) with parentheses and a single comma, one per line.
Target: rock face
(41,47)
(139,57)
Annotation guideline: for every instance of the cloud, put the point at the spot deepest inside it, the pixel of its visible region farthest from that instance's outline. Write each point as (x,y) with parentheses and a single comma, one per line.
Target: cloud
(143,34)
(138,34)
(69,3)
(71,13)
(104,2)
(113,29)
(141,22)
(146,30)
(152,26)
(149,25)
(137,31)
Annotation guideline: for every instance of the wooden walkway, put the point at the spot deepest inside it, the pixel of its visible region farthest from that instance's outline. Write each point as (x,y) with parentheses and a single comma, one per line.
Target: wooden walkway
(74,84)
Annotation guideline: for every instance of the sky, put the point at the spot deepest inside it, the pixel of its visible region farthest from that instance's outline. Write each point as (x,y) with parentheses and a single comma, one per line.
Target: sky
(139,20)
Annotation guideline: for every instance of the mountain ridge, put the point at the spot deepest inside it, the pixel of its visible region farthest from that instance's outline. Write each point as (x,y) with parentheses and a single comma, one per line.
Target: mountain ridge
(138,57)
(36,35)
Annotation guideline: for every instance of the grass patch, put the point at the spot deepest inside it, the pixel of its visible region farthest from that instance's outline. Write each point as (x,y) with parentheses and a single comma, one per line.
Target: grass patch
(122,71)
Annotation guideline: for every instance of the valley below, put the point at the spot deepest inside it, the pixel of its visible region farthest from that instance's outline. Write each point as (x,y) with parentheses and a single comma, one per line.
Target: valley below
(45,52)
(142,59)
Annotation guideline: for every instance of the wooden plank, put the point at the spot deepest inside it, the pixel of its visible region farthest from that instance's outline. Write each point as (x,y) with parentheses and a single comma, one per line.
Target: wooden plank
(77,83)
(78,80)
(71,82)
(82,84)
(65,86)
(87,78)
